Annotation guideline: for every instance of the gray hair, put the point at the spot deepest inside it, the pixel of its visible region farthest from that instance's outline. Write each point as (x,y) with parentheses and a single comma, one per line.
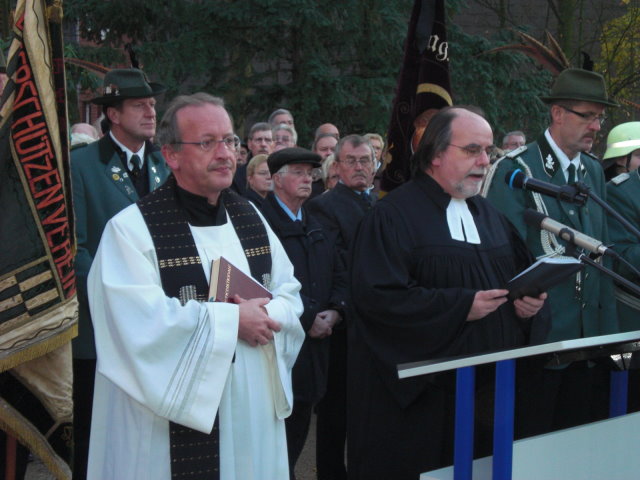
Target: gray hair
(288,128)
(277,112)
(515,133)
(259,127)
(374,136)
(355,141)
(168,131)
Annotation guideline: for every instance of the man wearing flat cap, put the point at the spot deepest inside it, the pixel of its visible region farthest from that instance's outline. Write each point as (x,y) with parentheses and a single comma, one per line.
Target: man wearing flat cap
(108,175)
(318,268)
(583,305)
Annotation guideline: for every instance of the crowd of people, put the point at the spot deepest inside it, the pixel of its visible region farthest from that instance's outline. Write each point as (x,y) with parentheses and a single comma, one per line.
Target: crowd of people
(168,383)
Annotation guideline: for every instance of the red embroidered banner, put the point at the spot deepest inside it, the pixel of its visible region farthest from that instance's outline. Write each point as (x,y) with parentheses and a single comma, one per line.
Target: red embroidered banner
(38,308)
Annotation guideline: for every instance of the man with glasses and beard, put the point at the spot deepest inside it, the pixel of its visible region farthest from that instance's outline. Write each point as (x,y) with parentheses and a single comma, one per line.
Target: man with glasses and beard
(186,384)
(581,306)
(430,262)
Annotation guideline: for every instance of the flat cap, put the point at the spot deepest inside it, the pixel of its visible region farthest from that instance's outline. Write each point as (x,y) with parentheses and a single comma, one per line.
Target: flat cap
(286,156)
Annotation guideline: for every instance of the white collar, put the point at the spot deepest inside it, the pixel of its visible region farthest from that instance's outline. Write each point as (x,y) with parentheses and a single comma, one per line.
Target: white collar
(461,224)
(561,156)
(128,152)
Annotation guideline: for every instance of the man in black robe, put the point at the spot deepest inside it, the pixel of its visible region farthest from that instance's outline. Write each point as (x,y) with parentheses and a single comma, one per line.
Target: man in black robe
(429,266)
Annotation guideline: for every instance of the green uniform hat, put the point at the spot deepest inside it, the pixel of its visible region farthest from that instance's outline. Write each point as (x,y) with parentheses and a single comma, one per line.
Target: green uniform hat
(622,140)
(122,83)
(581,85)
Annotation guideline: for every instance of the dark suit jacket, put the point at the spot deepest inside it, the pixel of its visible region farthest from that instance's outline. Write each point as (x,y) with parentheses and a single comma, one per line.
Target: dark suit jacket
(339,211)
(101,188)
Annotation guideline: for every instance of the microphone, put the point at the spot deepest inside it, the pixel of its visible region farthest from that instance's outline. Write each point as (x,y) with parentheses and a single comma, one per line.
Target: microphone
(568,234)
(565,193)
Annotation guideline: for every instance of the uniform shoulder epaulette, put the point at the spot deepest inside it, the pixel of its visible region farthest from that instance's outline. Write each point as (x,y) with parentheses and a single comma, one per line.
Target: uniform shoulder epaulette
(591,155)
(510,155)
(78,146)
(514,153)
(623,177)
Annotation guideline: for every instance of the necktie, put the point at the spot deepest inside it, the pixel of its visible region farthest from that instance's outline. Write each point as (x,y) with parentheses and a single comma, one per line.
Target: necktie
(366,197)
(135,169)
(572,174)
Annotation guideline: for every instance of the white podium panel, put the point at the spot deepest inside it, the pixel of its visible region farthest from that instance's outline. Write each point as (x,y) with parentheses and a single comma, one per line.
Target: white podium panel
(606,449)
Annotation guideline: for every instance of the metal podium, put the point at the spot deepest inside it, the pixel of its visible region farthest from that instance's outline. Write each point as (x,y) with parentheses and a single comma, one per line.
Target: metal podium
(617,347)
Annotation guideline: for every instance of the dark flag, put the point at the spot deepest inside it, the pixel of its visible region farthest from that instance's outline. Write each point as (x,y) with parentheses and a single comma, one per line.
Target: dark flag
(38,308)
(423,88)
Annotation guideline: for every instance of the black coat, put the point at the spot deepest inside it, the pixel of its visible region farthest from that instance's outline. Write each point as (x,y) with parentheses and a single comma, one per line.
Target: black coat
(319,270)
(339,211)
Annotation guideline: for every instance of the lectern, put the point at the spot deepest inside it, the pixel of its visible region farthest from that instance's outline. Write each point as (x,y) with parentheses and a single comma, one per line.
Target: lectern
(616,349)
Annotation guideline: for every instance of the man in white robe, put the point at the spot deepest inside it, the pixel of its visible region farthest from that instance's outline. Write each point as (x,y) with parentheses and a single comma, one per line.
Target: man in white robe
(161,360)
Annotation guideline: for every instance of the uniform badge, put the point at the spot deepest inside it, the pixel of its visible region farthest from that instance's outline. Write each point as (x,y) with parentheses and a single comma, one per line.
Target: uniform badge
(157,179)
(153,169)
(115,176)
(549,162)
(115,169)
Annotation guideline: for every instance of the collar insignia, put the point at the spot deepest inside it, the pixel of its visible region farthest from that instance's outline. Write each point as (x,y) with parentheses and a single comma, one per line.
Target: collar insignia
(549,162)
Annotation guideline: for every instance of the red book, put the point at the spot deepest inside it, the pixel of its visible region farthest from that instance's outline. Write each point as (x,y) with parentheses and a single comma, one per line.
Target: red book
(227,280)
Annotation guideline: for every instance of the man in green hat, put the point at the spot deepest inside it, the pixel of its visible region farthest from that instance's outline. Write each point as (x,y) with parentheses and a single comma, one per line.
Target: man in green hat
(581,306)
(108,175)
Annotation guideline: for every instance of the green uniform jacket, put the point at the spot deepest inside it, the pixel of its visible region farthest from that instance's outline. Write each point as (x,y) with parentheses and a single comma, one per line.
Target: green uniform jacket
(582,308)
(101,188)
(623,194)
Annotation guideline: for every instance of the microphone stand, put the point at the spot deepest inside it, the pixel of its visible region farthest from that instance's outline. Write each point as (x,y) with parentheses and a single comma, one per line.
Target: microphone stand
(584,258)
(583,189)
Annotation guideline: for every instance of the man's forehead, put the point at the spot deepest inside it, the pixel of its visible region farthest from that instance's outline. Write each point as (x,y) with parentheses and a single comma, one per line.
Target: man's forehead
(589,107)
(139,99)
(470,129)
(349,149)
(215,115)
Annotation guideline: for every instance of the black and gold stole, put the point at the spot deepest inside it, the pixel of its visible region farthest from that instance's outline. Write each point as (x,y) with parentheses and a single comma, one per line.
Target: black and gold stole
(194,453)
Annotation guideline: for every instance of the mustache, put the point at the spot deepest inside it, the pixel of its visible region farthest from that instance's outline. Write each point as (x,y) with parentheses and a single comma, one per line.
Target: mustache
(215,166)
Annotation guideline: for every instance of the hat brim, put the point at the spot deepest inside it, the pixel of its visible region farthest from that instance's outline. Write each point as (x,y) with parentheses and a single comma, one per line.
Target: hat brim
(579,98)
(156,89)
(306,162)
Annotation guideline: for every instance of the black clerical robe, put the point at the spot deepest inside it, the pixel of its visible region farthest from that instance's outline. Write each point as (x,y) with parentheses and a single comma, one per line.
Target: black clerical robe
(412,289)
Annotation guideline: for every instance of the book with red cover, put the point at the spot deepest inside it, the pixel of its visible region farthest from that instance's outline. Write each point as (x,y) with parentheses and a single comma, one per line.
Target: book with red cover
(227,280)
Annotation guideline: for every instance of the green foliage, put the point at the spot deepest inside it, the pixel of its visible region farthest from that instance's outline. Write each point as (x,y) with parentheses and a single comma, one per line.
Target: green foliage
(326,62)
(620,43)
(506,85)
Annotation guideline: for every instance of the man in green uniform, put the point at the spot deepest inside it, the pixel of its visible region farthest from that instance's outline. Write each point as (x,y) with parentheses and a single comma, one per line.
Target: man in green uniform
(581,306)
(108,175)
(623,150)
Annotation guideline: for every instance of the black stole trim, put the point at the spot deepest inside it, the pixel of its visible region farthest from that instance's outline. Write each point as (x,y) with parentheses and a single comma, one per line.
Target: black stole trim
(193,453)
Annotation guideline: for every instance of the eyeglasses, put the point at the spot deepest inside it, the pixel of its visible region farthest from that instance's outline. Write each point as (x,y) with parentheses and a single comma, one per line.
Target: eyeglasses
(303,173)
(283,139)
(232,142)
(262,139)
(587,117)
(351,162)
(476,150)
